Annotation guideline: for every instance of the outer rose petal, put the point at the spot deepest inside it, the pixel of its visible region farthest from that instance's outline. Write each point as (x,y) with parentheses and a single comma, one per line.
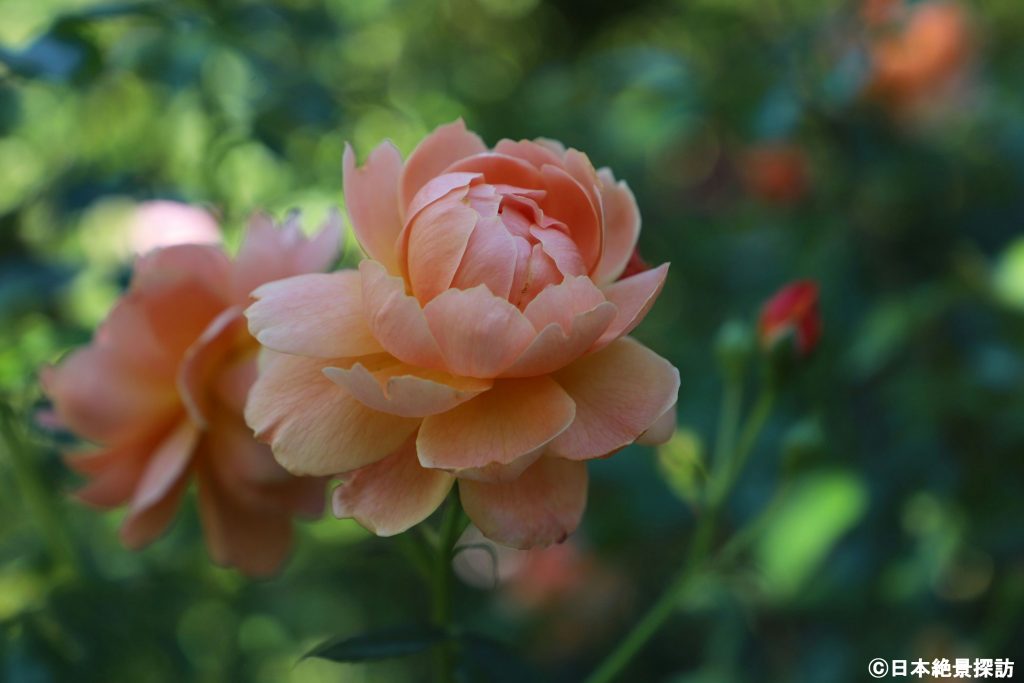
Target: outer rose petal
(570,317)
(205,264)
(621,227)
(390,386)
(396,319)
(634,297)
(314,426)
(620,392)
(254,540)
(661,431)
(393,494)
(317,314)
(144,526)
(271,253)
(439,150)
(372,200)
(103,399)
(163,223)
(222,338)
(167,464)
(543,506)
(536,154)
(113,472)
(512,420)
(479,335)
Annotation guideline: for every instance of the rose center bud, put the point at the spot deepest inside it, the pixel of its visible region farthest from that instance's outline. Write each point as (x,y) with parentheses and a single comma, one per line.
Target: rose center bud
(493,235)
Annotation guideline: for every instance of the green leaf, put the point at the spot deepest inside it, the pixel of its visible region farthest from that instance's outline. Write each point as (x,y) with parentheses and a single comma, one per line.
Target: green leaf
(681,462)
(811,520)
(397,642)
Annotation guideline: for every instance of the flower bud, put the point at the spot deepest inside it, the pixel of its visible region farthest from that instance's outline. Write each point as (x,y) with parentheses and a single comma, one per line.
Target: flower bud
(792,313)
(733,346)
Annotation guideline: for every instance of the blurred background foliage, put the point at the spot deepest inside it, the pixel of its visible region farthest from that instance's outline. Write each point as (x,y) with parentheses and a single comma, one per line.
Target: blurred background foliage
(765,141)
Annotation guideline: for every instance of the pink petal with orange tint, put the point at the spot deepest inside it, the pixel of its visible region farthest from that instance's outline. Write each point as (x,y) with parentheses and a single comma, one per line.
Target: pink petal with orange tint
(438,187)
(486,261)
(432,157)
(661,431)
(499,169)
(390,386)
(255,540)
(634,297)
(621,227)
(396,319)
(202,360)
(394,494)
(373,202)
(314,426)
(270,252)
(620,392)
(317,314)
(528,150)
(165,466)
(543,506)
(434,246)
(205,264)
(101,398)
(562,250)
(479,335)
(514,419)
(569,203)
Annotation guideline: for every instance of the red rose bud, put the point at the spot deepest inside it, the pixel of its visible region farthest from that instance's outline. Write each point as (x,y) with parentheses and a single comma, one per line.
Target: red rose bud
(792,311)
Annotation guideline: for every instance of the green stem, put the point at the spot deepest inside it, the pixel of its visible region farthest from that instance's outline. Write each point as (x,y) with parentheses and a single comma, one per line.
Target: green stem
(452,525)
(40,504)
(728,463)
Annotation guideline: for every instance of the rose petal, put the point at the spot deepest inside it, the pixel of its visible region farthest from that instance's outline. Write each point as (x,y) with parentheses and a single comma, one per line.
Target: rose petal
(373,203)
(634,297)
(436,241)
(394,494)
(271,253)
(253,539)
(621,227)
(317,314)
(166,465)
(486,261)
(202,360)
(390,386)
(567,202)
(396,319)
(313,425)
(528,150)
(514,419)
(661,431)
(479,335)
(432,157)
(101,398)
(555,347)
(620,392)
(543,506)
(499,169)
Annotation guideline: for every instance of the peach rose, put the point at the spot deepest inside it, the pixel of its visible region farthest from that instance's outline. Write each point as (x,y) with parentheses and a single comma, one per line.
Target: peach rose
(161,389)
(923,62)
(481,341)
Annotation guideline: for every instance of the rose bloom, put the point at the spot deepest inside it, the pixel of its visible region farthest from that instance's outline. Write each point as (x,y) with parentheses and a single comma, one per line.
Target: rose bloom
(925,59)
(793,310)
(161,390)
(775,173)
(481,342)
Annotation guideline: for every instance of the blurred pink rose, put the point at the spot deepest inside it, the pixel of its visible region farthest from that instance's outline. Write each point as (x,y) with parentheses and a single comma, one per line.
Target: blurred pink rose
(162,223)
(161,389)
(481,341)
